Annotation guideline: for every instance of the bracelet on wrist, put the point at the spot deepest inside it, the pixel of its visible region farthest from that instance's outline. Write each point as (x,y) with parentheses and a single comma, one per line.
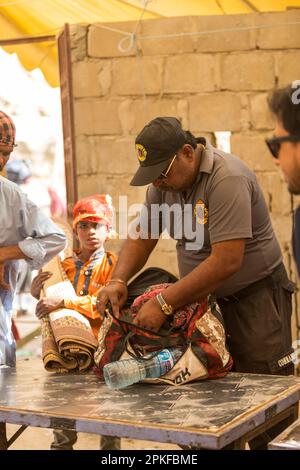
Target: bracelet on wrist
(120,281)
(166,309)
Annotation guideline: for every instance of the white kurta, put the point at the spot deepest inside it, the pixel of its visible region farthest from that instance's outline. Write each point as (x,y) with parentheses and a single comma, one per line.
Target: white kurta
(22,223)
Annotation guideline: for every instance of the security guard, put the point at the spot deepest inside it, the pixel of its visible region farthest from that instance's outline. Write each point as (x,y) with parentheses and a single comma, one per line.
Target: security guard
(226,245)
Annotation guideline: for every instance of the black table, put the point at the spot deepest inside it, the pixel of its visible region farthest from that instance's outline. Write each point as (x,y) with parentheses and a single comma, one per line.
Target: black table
(209,414)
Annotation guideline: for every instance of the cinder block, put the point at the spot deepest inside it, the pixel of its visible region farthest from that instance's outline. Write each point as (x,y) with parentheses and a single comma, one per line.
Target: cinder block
(279,32)
(288,64)
(78,41)
(135,114)
(247,71)
(263,179)
(84,147)
(88,185)
(276,193)
(136,76)
(283,229)
(226,33)
(190,73)
(215,112)
(154,40)
(281,199)
(97,117)
(108,155)
(103,42)
(115,185)
(91,78)
(261,117)
(252,149)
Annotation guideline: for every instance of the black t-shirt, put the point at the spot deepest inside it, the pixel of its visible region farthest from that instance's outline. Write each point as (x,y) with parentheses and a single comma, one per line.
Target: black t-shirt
(296,238)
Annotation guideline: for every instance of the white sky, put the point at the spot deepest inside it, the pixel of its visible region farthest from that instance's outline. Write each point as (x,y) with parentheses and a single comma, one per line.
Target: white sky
(36,110)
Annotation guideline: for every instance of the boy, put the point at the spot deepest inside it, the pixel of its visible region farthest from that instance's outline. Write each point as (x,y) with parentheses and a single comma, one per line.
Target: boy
(89,269)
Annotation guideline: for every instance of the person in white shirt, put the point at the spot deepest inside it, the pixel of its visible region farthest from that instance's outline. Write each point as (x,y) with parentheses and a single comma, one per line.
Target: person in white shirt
(25,233)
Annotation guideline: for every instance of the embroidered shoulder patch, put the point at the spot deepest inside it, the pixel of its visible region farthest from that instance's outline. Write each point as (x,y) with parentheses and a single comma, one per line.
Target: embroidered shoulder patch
(201,212)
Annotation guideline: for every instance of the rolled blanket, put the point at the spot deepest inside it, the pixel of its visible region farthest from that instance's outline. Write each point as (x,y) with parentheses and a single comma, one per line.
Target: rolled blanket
(68,339)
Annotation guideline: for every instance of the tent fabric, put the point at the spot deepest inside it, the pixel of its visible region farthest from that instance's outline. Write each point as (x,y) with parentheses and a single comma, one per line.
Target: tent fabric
(22,18)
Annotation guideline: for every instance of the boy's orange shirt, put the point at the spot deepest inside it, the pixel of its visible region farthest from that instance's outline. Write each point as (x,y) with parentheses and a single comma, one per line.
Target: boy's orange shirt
(86,304)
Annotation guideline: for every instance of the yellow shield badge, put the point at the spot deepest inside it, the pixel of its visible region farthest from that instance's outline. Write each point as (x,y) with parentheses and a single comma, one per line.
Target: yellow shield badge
(201,212)
(141,152)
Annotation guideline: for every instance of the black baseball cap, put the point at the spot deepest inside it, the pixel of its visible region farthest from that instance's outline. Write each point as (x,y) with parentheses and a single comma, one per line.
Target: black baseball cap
(157,142)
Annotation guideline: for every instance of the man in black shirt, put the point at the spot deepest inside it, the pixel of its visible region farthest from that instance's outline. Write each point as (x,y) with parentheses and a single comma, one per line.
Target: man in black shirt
(285,146)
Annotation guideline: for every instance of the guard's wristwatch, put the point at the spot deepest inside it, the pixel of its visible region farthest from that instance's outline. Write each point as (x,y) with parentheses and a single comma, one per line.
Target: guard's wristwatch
(167,309)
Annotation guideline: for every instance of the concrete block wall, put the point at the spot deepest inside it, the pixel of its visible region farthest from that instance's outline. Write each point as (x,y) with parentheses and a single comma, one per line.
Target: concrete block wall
(213,82)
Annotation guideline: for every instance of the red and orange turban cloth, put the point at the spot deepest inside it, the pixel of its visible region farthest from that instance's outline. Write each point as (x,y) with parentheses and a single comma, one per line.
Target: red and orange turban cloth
(96,208)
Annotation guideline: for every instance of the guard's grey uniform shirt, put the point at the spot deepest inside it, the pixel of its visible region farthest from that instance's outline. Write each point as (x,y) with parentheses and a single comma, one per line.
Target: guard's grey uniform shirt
(22,223)
(227,202)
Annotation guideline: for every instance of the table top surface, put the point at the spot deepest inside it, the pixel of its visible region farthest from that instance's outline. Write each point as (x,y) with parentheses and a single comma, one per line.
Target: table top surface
(210,413)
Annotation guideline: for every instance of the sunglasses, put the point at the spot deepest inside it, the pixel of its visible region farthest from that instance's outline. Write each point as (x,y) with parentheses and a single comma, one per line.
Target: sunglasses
(164,174)
(275,143)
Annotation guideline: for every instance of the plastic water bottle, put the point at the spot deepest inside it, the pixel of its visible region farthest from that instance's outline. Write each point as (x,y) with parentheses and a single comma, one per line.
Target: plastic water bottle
(121,374)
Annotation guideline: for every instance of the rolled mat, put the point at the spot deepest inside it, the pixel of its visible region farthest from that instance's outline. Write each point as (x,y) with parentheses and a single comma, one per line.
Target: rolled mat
(68,342)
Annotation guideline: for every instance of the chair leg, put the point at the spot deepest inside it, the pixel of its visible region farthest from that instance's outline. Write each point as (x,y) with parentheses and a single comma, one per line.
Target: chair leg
(3,437)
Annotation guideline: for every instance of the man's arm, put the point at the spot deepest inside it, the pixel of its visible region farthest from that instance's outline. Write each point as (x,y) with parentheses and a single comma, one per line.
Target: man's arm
(132,257)
(42,239)
(8,253)
(226,259)
(11,252)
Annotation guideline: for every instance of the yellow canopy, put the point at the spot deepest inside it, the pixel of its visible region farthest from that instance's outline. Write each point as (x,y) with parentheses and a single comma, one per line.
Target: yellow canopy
(27,18)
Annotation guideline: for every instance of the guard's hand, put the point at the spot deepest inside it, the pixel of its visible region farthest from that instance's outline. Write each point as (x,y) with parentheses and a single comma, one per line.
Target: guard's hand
(38,283)
(115,293)
(150,316)
(48,305)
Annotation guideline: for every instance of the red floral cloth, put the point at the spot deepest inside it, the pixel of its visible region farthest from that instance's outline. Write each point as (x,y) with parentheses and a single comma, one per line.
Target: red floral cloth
(195,324)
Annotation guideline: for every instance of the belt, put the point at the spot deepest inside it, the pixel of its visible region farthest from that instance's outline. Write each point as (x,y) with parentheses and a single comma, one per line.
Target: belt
(269,281)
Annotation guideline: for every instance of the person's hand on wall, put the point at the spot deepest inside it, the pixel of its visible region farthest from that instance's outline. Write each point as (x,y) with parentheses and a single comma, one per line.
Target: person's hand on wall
(38,283)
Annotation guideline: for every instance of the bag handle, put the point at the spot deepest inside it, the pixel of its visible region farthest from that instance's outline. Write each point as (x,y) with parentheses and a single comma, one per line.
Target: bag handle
(135,354)
(142,328)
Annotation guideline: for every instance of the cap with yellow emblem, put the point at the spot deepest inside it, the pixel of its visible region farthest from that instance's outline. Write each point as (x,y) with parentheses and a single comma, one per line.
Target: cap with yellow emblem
(157,142)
